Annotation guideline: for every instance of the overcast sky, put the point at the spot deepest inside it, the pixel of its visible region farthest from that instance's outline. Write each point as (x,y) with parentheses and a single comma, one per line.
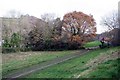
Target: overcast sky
(98,8)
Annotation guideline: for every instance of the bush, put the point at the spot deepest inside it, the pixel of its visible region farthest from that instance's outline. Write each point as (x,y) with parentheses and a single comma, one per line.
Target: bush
(55,45)
(115,42)
(12,44)
(9,50)
(73,45)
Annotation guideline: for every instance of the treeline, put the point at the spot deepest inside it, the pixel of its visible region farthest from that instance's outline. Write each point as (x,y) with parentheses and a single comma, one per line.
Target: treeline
(50,33)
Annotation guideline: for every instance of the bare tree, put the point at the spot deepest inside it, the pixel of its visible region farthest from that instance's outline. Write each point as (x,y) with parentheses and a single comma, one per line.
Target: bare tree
(47,17)
(11,23)
(111,20)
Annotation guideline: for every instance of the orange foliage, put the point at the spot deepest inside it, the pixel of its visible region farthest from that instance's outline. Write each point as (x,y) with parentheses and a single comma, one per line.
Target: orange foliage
(80,24)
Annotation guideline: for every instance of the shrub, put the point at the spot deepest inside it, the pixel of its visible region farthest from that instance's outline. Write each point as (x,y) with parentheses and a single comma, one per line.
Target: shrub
(55,45)
(12,44)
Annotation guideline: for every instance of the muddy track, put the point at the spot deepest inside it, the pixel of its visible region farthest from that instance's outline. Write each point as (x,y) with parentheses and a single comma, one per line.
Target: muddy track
(26,71)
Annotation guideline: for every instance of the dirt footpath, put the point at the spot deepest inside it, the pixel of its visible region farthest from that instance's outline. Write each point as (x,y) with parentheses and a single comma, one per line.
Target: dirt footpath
(38,67)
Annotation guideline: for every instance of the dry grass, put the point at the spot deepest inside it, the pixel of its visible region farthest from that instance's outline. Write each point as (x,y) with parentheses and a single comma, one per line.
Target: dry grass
(15,61)
(23,55)
(18,56)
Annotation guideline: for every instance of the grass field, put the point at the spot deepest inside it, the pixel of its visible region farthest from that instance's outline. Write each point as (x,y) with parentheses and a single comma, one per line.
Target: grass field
(92,44)
(15,61)
(108,69)
(74,67)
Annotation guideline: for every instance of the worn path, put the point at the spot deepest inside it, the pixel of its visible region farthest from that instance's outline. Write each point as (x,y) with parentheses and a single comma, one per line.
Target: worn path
(23,72)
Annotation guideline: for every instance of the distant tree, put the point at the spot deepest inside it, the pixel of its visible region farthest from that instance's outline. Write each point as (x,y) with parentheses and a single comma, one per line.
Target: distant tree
(47,17)
(6,30)
(57,28)
(42,37)
(54,25)
(79,26)
(11,23)
(12,44)
(35,38)
(15,40)
(110,20)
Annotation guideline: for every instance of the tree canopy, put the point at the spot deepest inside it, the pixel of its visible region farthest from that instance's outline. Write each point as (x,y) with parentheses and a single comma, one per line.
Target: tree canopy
(79,26)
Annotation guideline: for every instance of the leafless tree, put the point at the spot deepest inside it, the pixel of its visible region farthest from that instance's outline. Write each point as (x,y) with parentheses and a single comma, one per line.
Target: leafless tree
(110,20)
(47,17)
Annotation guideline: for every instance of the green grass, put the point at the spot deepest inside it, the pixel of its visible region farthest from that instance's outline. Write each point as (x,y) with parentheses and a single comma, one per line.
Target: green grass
(108,69)
(15,64)
(71,68)
(92,44)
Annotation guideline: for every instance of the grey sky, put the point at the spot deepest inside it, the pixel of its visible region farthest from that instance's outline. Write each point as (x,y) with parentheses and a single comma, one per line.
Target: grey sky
(97,8)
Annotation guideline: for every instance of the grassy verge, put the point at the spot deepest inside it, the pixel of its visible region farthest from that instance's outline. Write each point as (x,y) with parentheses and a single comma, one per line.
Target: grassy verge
(108,69)
(15,61)
(72,67)
(92,44)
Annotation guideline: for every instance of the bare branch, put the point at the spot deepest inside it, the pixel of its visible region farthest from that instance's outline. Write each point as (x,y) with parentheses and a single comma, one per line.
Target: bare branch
(111,21)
